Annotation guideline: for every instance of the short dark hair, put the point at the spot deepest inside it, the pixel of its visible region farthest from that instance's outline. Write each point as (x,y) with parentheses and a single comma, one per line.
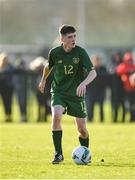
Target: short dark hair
(64,29)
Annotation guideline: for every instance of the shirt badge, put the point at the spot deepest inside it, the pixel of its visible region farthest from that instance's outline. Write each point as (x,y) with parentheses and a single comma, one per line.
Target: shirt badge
(76,60)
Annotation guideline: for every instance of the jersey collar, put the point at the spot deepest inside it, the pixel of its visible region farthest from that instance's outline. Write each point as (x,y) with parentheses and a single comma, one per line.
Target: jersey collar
(65,51)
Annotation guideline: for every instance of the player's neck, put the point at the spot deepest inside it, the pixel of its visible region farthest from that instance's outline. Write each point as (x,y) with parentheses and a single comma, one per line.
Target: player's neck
(66,48)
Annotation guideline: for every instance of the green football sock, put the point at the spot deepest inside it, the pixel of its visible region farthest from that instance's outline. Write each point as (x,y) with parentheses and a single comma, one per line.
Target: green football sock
(57,141)
(84,142)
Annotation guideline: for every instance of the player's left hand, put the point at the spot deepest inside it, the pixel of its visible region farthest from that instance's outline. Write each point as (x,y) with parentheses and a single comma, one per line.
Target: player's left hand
(81,90)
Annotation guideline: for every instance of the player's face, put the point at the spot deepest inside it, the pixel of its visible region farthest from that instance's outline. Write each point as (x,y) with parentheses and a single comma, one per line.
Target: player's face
(69,40)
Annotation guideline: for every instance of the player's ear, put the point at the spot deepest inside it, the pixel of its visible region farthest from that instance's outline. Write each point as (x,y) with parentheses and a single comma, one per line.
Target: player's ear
(62,38)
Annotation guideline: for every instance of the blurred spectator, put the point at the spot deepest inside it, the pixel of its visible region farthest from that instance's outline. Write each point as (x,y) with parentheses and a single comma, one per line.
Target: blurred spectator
(6,85)
(126,71)
(20,85)
(96,89)
(117,90)
(44,106)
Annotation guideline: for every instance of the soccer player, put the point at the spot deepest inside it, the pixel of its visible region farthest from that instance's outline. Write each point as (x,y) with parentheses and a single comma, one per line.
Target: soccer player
(68,89)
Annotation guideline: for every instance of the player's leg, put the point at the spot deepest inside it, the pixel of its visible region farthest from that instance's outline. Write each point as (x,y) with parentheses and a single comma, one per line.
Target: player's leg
(57,111)
(77,108)
(83,132)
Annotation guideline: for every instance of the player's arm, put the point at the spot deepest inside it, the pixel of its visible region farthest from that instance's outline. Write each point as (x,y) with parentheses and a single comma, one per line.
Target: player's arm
(81,90)
(46,72)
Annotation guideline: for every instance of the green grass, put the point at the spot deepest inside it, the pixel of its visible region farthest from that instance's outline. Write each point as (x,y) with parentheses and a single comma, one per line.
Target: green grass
(27,149)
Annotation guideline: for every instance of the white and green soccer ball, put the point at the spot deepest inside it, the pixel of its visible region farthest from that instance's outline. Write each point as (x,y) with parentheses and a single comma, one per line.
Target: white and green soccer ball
(81,155)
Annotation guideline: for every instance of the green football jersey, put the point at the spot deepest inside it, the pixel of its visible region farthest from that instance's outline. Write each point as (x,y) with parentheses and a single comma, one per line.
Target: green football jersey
(69,68)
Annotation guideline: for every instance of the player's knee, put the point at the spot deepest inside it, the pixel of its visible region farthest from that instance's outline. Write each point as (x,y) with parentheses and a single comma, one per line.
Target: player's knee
(56,117)
(83,132)
(56,120)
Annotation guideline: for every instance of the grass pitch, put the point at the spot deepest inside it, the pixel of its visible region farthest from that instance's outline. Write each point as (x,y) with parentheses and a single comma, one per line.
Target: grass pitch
(26,151)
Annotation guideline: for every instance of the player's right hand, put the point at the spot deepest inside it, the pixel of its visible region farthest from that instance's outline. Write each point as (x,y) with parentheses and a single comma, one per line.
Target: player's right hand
(41,86)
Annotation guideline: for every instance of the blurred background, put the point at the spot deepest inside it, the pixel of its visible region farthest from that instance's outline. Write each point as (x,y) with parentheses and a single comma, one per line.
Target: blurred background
(29,28)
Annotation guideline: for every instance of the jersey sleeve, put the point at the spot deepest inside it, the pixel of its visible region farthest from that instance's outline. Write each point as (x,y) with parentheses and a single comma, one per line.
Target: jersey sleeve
(86,62)
(50,60)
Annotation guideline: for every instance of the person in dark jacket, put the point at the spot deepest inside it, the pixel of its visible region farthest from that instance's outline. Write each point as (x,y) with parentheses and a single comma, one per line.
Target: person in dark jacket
(44,100)
(6,85)
(117,89)
(96,90)
(20,85)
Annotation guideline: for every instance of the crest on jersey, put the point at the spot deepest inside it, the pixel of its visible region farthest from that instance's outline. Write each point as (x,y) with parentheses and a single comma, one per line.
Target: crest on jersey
(76,60)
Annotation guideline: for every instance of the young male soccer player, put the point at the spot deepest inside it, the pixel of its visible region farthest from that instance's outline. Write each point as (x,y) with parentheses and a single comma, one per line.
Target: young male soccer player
(68,87)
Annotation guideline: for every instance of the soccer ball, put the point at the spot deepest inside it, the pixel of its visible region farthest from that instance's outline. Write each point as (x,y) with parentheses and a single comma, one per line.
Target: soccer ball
(81,155)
